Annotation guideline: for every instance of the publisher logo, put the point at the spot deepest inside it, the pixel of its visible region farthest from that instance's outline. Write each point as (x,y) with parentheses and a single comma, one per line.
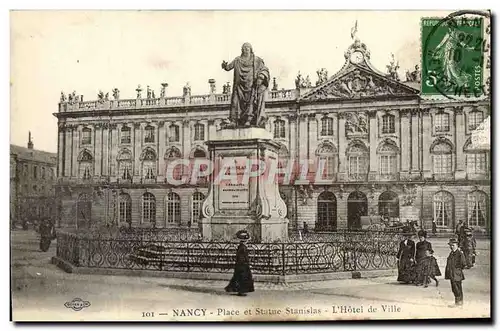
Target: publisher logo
(77,304)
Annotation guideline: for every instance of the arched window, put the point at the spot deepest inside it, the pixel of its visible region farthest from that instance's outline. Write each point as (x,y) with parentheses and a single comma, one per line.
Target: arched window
(327,154)
(173,133)
(476,160)
(477,208)
(475,118)
(86,136)
(326,126)
(443,209)
(442,122)
(170,156)
(148,208)
(388,157)
(196,204)
(149,165)
(125,165)
(173,208)
(149,134)
(388,124)
(85,165)
(199,131)
(200,154)
(279,128)
(124,208)
(358,162)
(388,205)
(442,159)
(125,135)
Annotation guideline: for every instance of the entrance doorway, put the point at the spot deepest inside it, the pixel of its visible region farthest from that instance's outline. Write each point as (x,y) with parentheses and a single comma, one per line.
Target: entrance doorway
(327,212)
(357,206)
(388,205)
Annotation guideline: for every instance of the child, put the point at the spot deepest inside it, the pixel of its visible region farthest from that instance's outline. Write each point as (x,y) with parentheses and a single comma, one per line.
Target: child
(430,268)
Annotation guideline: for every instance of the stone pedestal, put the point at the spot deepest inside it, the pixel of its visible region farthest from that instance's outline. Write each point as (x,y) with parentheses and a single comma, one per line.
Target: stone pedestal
(241,195)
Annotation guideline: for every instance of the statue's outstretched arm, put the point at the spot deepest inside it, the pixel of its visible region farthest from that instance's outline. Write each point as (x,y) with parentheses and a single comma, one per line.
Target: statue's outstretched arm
(228,66)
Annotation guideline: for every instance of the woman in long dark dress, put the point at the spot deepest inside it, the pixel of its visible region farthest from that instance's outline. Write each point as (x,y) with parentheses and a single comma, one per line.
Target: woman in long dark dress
(405,256)
(242,281)
(422,246)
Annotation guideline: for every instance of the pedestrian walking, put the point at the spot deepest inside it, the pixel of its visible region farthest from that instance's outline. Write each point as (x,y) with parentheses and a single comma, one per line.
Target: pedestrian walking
(430,268)
(242,280)
(434,227)
(454,271)
(468,247)
(405,257)
(422,246)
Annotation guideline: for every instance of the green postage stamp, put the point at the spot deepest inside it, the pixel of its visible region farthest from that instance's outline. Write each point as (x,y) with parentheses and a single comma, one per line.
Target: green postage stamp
(455,55)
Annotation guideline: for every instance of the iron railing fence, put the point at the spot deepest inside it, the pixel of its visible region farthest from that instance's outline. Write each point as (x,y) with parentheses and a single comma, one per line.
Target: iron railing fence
(346,251)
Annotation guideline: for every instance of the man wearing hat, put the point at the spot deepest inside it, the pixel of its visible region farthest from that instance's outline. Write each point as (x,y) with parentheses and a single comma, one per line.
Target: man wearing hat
(242,281)
(454,271)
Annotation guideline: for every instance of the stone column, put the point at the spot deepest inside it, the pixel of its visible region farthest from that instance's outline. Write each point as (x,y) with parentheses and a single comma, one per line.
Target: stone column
(114,130)
(97,149)
(105,149)
(60,151)
(138,129)
(342,142)
(292,131)
(426,143)
(212,129)
(302,136)
(415,137)
(405,151)
(373,146)
(161,150)
(460,129)
(75,147)
(67,147)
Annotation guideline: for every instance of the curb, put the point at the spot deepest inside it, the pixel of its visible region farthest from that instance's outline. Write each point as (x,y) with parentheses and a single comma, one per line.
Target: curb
(223,276)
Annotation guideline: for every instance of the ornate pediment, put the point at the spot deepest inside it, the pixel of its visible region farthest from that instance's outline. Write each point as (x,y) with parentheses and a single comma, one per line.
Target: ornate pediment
(358,82)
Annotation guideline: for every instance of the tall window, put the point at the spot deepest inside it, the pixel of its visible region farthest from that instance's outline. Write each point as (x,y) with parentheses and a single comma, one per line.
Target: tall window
(327,212)
(327,153)
(173,208)
(148,208)
(86,136)
(125,209)
(35,172)
(25,169)
(149,165)
(476,163)
(443,209)
(388,160)
(475,118)
(125,135)
(149,134)
(172,155)
(388,124)
(326,126)
(43,172)
(196,206)
(173,131)
(358,162)
(279,128)
(199,131)
(442,122)
(125,165)
(442,159)
(85,166)
(477,208)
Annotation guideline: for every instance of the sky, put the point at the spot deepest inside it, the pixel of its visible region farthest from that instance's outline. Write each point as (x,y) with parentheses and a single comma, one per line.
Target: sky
(88,51)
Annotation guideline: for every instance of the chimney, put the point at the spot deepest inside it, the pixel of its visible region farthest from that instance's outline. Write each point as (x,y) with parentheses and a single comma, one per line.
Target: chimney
(30,143)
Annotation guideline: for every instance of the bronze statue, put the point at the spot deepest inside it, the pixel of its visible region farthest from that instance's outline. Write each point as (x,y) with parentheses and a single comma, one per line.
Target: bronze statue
(251,80)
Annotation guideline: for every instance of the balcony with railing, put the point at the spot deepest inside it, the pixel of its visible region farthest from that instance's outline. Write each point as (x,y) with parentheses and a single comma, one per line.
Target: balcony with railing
(165,102)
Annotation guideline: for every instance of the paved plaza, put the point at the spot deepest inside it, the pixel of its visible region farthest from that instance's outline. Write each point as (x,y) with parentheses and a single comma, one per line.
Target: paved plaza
(40,290)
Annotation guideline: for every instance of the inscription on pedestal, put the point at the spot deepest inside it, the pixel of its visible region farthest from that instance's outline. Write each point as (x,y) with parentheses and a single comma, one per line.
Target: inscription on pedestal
(233,196)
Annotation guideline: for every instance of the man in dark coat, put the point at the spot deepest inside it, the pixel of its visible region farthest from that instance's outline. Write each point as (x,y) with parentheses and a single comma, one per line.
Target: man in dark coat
(454,271)
(406,256)
(242,281)
(422,246)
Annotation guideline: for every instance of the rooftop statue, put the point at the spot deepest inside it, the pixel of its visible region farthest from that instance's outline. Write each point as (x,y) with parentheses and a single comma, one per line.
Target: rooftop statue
(250,82)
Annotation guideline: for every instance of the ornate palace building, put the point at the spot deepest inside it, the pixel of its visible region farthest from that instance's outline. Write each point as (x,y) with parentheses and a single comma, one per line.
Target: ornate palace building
(388,152)
(32,177)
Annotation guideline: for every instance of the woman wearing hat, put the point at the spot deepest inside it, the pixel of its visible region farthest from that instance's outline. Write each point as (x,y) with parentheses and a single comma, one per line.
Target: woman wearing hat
(422,246)
(454,271)
(242,281)
(405,256)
